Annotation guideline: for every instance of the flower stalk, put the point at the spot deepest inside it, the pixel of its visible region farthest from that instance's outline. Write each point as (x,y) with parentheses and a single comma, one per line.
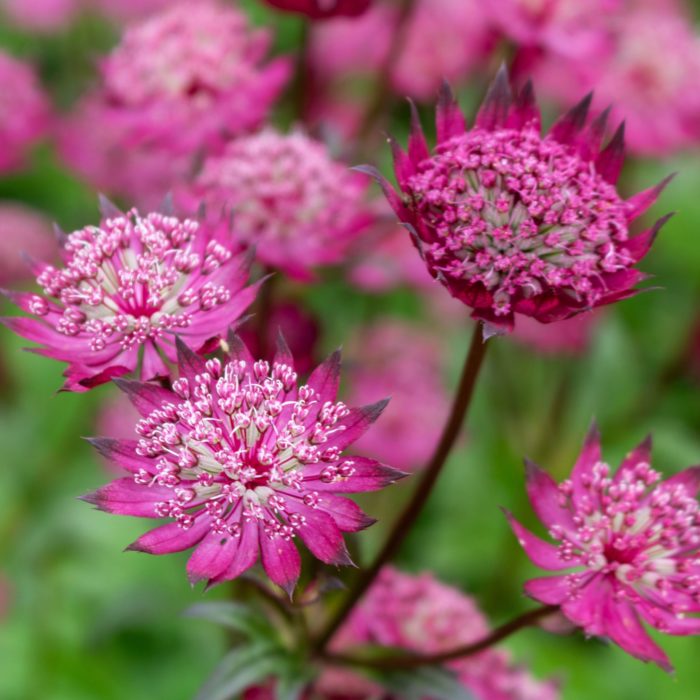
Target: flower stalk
(413,508)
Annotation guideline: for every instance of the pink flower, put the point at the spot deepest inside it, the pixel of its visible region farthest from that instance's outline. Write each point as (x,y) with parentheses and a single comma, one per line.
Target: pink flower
(297,206)
(22,231)
(649,70)
(420,614)
(570,336)
(444,39)
(323,9)
(41,15)
(126,288)
(403,362)
(191,76)
(632,542)
(129,10)
(514,222)
(24,111)
(244,461)
(141,174)
(299,328)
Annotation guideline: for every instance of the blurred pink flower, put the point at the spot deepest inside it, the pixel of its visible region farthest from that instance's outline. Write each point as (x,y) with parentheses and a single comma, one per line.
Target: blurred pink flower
(141,174)
(129,10)
(632,541)
(649,71)
(513,222)
(299,328)
(444,39)
(570,336)
(126,288)
(23,231)
(41,15)
(292,202)
(323,9)
(24,111)
(191,76)
(401,361)
(250,490)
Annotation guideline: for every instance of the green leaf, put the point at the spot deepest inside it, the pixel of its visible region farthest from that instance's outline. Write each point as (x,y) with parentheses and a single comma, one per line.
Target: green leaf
(425,682)
(245,619)
(241,668)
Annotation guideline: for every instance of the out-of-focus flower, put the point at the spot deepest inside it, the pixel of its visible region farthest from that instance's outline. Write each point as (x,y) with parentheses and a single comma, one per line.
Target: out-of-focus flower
(323,9)
(513,222)
(444,39)
(24,111)
(570,336)
(129,10)
(140,174)
(23,231)
(649,71)
(191,77)
(244,461)
(126,288)
(299,328)
(40,15)
(292,202)
(399,360)
(632,541)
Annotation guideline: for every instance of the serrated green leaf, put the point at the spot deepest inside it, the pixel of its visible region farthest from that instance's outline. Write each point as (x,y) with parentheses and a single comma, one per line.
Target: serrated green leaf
(245,619)
(241,668)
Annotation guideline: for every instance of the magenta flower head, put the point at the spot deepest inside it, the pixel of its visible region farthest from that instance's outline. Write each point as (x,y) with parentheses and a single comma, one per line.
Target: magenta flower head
(513,222)
(292,201)
(24,111)
(244,461)
(191,76)
(126,288)
(631,542)
(323,9)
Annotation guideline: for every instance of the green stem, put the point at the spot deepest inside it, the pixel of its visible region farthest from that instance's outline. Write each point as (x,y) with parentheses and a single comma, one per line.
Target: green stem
(429,476)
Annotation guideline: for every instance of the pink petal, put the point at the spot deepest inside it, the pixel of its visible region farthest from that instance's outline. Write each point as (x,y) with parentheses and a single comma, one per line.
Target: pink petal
(551,590)
(417,146)
(123,454)
(281,561)
(244,556)
(638,246)
(170,538)
(639,203)
(582,472)
(667,622)
(567,129)
(146,397)
(189,363)
(325,379)
(403,166)
(524,111)
(355,424)
(541,553)
(367,475)
(587,608)
(494,111)
(449,120)
(348,516)
(609,162)
(623,626)
(641,453)
(125,497)
(212,556)
(545,497)
(152,365)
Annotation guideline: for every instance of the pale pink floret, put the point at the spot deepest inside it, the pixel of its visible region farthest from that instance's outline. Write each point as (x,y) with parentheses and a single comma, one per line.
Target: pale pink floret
(513,222)
(24,111)
(631,541)
(126,288)
(245,462)
(191,76)
(140,174)
(41,15)
(423,615)
(400,360)
(23,231)
(297,206)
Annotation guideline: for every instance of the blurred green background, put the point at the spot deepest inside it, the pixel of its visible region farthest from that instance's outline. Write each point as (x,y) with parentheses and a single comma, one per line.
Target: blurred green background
(87,621)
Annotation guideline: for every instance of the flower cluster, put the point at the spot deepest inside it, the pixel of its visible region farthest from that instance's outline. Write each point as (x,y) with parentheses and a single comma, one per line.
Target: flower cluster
(245,461)
(297,206)
(127,288)
(24,111)
(514,222)
(632,541)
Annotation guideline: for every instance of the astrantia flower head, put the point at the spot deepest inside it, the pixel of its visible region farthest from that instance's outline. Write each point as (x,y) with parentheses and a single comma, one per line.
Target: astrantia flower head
(24,111)
(323,9)
(296,205)
(632,542)
(244,461)
(513,222)
(191,76)
(126,288)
